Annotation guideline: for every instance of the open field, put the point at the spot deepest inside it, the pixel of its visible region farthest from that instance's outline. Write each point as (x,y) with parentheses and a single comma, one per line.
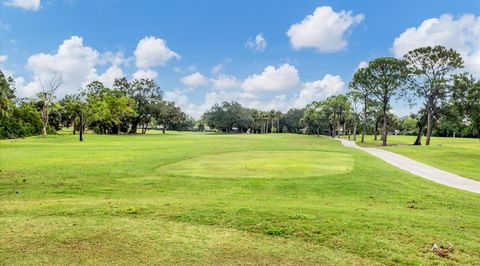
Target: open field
(457,155)
(192,198)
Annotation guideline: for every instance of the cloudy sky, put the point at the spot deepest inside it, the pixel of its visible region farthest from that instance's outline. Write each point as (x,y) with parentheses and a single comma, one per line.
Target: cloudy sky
(265,54)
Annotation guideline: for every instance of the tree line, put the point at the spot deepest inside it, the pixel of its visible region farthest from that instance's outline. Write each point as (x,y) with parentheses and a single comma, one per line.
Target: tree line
(128,107)
(430,76)
(450,99)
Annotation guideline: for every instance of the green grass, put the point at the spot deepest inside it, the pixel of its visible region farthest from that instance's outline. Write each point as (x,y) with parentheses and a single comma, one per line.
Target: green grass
(150,200)
(457,155)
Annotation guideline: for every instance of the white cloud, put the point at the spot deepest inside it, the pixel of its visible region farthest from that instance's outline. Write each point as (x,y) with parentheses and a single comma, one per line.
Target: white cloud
(216,69)
(3,58)
(272,79)
(319,90)
(259,44)
(110,75)
(74,61)
(195,80)
(145,74)
(324,30)
(461,34)
(116,59)
(24,4)
(226,82)
(183,102)
(152,51)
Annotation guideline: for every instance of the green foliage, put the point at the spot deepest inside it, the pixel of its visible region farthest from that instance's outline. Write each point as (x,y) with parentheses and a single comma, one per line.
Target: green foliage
(228,115)
(22,122)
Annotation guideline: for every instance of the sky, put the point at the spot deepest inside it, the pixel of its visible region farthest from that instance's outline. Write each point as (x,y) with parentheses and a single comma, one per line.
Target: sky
(263,54)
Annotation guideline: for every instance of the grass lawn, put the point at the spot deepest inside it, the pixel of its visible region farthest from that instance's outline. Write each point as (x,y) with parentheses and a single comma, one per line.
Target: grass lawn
(209,199)
(457,155)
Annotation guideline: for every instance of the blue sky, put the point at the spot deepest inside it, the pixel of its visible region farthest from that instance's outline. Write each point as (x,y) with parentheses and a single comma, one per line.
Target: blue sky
(264,54)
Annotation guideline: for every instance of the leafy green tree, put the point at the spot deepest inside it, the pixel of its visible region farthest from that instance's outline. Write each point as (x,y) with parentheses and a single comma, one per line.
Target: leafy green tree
(167,114)
(466,100)
(430,69)
(362,86)
(107,109)
(7,94)
(388,76)
(291,120)
(145,93)
(228,115)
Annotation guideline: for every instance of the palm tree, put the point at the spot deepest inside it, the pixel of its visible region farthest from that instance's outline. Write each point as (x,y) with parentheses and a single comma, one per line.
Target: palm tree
(278,116)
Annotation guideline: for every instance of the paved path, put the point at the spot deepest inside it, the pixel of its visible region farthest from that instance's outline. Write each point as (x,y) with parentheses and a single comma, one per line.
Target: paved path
(419,169)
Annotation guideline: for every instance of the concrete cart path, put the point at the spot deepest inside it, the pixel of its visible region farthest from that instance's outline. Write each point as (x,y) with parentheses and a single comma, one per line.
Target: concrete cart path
(419,169)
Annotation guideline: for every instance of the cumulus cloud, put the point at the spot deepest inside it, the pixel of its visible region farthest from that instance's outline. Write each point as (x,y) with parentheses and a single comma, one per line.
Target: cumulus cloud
(73,60)
(195,80)
(3,58)
(461,34)
(145,74)
(152,51)
(258,44)
(183,101)
(24,4)
(112,73)
(319,90)
(272,79)
(226,82)
(324,30)
(76,63)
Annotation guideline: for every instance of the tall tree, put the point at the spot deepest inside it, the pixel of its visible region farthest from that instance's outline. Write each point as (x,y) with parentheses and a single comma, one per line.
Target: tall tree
(355,97)
(362,86)
(466,99)
(430,69)
(388,76)
(145,92)
(7,94)
(47,94)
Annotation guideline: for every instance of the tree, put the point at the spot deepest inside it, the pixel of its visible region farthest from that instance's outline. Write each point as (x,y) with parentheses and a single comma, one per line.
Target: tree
(362,86)
(291,120)
(7,94)
(388,76)
(145,93)
(107,109)
(46,96)
(166,114)
(429,69)
(466,100)
(355,97)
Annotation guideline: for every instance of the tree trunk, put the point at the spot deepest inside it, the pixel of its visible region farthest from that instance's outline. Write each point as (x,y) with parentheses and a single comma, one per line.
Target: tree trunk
(384,127)
(133,129)
(334,129)
(163,129)
(364,127)
(376,128)
(453,134)
(81,127)
(355,131)
(73,124)
(44,121)
(418,141)
(429,127)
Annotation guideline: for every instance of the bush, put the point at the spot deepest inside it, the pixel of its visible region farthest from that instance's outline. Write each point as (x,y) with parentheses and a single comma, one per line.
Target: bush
(23,121)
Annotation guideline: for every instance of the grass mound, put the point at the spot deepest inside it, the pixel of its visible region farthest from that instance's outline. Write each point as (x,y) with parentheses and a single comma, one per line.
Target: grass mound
(262,164)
